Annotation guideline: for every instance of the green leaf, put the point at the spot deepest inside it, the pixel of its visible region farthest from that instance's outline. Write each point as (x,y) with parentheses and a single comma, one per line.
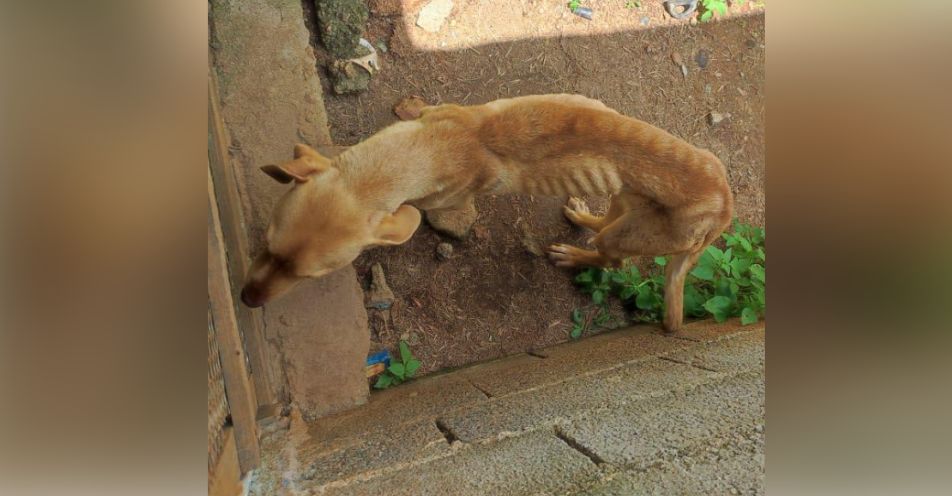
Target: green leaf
(728,255)
(383,381)
(719,306)
(758,273)
(627,292)
(745,244)
(604,277)
(693,302)
(715,253)
(723,288)
(619,277)
(717,303)
(706,260)
(585,277)
(397,369)
(703,272)
(661,261)
(760,254)
(721,8)
(577,316)
(405,354)
(576,331)
(412,367)
(739,265)
(647,299)
(706,16)
(598,297)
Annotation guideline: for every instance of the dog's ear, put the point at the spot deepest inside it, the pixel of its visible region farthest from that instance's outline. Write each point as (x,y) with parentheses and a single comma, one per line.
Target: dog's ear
(306,162)
(395,228)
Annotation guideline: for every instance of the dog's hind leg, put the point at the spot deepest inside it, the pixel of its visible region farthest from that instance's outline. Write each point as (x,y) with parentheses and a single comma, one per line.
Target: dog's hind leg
(675,273)
(653,231)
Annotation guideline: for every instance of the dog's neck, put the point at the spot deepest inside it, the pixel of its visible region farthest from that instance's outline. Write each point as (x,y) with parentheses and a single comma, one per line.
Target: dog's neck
(389,168)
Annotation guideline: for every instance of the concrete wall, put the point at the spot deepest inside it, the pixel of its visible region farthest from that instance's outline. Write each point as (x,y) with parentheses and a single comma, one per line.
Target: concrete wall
(271,99)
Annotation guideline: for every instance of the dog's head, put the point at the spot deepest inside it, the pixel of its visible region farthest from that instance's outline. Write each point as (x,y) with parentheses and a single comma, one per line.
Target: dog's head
(317,227)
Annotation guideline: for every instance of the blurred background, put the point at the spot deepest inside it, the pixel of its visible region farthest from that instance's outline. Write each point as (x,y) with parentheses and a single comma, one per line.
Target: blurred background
(103,146)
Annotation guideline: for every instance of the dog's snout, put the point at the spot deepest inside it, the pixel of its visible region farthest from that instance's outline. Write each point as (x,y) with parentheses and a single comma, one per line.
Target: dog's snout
(252,296)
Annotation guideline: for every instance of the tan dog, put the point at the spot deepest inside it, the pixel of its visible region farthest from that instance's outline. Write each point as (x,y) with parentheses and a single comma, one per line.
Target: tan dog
(667,197)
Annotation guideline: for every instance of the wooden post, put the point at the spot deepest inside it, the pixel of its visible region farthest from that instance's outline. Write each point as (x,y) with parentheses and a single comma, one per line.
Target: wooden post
(235,238)
(238,388)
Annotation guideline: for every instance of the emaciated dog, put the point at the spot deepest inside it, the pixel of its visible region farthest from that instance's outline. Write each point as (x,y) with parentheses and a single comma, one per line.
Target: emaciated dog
(667,196)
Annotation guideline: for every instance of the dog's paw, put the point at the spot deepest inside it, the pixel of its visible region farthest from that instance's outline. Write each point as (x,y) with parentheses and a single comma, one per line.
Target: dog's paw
(577,205)
(563,255)
(576,210)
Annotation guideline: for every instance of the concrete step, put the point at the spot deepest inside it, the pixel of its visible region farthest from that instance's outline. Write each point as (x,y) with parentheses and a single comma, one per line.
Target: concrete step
(627,409)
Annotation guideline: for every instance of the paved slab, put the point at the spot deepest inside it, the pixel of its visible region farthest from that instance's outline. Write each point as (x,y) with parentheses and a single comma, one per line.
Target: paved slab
(426,398)
(736,352)
(643,433)
(591,355)
(532,464)
(378,449)
(652,414)
(708,330)
(736,467)
(548,405)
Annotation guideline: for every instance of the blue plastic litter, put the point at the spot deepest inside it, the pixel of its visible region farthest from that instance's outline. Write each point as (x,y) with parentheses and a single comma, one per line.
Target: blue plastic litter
(380,356)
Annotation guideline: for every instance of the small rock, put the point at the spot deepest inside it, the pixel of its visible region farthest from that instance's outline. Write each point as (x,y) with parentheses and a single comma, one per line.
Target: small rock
(693,21)
(701,58)
(715,118)
(379,296)
(707,88)
(433,14)
(645,20)
(444,251)
(532,245)
(678,61)
(453,223)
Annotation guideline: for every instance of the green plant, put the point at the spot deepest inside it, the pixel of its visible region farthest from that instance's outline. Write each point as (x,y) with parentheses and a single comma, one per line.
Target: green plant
(632,4)
(732,282)
(708,7)
(574,4)
(580,322)
(400,371)
(725,283)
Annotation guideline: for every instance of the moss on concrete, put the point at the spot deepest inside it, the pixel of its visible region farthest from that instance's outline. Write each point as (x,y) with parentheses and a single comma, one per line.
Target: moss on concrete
(348,77)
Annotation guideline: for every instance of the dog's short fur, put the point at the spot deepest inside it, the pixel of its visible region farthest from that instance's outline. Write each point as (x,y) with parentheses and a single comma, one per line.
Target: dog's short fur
(667,197)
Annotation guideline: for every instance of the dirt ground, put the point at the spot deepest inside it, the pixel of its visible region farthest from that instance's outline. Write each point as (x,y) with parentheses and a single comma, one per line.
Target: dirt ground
(496,295)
